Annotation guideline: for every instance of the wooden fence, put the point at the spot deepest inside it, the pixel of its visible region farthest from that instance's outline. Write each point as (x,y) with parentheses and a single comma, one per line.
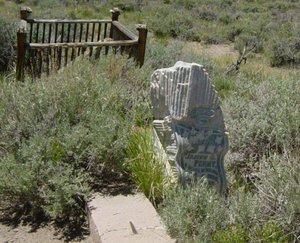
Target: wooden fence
(45,45)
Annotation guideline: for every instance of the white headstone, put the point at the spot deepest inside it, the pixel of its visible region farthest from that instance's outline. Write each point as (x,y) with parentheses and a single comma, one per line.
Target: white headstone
(189,122)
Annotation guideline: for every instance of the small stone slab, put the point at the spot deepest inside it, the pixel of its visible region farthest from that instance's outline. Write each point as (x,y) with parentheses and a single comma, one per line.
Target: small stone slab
(125,219)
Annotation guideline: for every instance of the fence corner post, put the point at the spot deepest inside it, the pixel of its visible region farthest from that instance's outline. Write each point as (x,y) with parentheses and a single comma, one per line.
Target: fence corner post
(140,57)
(115,13)
(21,43)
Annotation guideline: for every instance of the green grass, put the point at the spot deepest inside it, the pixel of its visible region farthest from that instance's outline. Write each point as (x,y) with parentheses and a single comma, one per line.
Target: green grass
(147,168)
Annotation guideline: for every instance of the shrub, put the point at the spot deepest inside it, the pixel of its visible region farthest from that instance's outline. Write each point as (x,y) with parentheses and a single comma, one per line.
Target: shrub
(194,213)
(159,55)
(234,234)
(55,134)
(227,18)
(279,190)
(204,14)
(168,22)
(263,118)
(188,4)
(125,5)
(37,187)
(262,204)
(233,32)
(285,52)
(198,214)
(7,41)
(249,41)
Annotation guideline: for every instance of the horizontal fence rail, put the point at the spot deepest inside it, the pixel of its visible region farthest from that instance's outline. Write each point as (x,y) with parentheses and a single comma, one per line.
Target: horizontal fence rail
(83,44)
(46,45)
(53,31)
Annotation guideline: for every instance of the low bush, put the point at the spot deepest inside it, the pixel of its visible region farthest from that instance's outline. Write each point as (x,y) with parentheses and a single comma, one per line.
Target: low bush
(204,14)
(197,213)
(285,52)
(232,32)
(168,22)
(56,134)
(263,118)
(249,41)
(227,18)
(8,32)
(193,214)
(279,194)
(128,5)
(160,55)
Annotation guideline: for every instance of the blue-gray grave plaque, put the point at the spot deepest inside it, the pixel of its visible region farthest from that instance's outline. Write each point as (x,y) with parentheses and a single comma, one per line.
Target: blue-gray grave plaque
(189,122)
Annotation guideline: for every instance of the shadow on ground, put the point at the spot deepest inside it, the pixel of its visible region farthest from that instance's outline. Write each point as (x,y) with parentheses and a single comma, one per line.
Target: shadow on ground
(70,228)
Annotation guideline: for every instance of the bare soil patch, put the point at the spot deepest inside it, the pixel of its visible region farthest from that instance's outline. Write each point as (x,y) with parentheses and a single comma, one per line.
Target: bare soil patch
(28,234)
(212,50)
(19,228)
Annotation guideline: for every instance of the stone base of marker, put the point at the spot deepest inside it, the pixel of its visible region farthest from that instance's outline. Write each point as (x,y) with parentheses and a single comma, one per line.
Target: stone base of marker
(189,122)
(126,219)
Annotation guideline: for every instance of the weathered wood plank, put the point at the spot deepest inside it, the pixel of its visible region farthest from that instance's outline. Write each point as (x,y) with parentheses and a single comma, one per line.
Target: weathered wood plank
(44,32)
(30,33)
(123,30)
(99,32)
(66,21)
(68,40)
(21,52)
(141,48)
(83,44)
(37,33)
(50,33)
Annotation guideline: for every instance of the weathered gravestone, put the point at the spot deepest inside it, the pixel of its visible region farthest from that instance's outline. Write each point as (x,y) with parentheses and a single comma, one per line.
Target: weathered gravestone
(189,122)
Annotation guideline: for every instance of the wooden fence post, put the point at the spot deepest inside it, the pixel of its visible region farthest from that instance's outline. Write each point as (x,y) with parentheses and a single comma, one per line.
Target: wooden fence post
(115,13)
(22,42)
(21,52)
(140,55)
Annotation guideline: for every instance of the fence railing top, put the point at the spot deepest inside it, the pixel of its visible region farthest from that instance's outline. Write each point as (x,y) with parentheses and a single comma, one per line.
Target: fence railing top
(124,30)
(68,21)
(83,44)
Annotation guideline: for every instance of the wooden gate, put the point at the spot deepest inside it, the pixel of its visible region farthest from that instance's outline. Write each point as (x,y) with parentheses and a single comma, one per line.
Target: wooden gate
(45,45)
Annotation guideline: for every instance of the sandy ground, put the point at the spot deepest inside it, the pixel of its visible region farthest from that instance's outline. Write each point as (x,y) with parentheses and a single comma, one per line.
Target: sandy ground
(25,234)
(211,50)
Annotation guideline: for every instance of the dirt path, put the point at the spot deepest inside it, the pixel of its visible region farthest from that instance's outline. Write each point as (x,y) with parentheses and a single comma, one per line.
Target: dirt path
(211,50)
(25,234)
(225,54)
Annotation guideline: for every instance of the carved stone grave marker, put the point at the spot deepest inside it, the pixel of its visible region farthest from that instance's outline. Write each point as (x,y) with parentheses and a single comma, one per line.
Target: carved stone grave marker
(189,122)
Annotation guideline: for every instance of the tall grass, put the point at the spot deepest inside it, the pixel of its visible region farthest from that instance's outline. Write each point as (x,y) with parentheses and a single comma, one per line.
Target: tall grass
(145,165)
